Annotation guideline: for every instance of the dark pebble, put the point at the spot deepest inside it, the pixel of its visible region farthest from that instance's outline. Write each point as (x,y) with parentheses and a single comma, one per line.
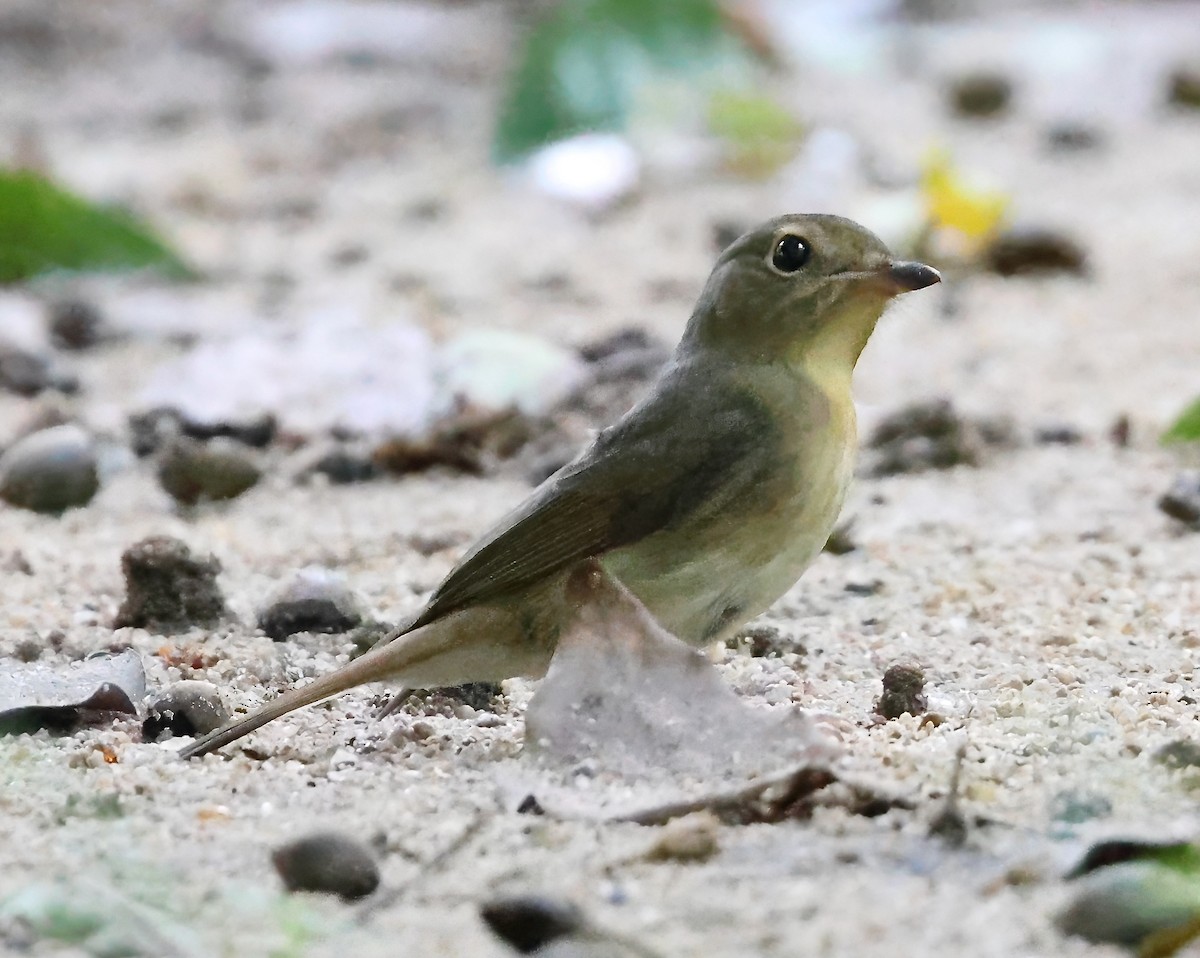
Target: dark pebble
(50,471)
(313,600)
(1058,436)
(1073,138)
(193,472)
(903,691)
(1035,251)
(1183,87)
(167,589)
(342,466)
(23,372)
(74,324)
(932,435)
(154,429)
(528,922)
(873,587)
(1183,753)
(327,862)
(186,708)
(1182,501)
(481,696)
(762,641)
(980,95)
(841,540)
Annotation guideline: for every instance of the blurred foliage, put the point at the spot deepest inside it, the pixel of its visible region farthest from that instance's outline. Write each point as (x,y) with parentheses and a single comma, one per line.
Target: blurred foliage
(583,64)
(971,211)
(45,229)
(1139,894)
(761,134)
(1187,427)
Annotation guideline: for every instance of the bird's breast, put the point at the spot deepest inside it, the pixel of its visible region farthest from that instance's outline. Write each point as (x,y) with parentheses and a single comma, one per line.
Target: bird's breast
(703,581)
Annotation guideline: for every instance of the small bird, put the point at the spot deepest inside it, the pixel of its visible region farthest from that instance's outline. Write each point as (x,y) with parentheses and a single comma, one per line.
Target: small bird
(707,499)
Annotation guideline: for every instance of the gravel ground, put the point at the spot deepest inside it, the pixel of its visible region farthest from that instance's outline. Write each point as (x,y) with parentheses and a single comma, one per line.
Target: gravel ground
(1052,606)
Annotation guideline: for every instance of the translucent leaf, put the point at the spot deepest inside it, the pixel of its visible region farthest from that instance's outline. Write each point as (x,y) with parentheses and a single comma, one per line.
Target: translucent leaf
(955,203)
(44,228)
(1187,427)
(760,133)
(582,65)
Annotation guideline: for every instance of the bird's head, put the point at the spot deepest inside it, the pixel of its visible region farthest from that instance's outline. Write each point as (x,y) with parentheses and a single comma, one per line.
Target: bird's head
(803,289)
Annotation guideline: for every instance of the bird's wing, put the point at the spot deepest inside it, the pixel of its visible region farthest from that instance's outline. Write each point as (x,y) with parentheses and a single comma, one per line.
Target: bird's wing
(647,473)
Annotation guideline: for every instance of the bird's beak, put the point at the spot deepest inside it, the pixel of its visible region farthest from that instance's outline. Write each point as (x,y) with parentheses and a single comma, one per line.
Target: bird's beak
(905,277)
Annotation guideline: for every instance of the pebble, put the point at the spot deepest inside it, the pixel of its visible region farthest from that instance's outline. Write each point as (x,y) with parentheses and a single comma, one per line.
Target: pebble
(315,599)
(193,472)
(1183,87)
(50,471)
(186,708)
(527,922)
(74,324)
(23,372)
(692,838)
(327,862)
(1182,501)
(982,95)
(931,434)
(167,589)
(1035,250)
(903,691)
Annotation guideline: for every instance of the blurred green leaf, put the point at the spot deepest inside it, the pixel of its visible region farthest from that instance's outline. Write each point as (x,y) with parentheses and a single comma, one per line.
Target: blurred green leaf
(1187,427)
(760,133)
(44,229)
(1144,895)
(582,65)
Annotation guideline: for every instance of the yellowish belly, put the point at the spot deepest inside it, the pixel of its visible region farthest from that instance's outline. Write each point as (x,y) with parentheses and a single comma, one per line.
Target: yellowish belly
(702,585)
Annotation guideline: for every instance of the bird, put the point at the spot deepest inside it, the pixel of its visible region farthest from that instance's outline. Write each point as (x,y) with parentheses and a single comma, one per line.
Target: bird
(707,499)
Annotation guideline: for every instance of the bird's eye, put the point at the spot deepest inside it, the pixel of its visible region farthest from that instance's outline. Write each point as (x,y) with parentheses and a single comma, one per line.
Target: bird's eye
(791,252)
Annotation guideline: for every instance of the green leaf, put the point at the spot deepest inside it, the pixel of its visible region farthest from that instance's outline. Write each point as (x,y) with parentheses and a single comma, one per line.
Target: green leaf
(1187,427)
(582,65)
(44,229)
(761,134)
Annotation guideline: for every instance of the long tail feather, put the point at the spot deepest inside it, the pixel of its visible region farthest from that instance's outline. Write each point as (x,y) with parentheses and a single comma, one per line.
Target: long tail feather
(380,662)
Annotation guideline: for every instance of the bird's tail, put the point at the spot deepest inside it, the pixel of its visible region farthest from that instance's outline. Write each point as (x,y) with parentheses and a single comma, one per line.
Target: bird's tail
(408,651)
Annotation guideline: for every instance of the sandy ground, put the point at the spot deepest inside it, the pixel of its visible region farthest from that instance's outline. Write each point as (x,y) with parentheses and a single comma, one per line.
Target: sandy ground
(1052,605)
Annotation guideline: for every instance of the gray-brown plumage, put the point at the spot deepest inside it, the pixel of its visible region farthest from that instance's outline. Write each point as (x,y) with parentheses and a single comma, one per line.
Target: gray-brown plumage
(707,499)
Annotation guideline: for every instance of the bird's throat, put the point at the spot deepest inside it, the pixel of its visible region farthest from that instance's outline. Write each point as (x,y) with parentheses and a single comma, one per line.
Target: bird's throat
(828,355)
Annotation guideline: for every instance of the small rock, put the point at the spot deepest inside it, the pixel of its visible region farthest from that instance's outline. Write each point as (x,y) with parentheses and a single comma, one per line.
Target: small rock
(366,636)
(167,589)
(74,324)
(1067,137)
(344,465)
(186,708)
(192,472)
(28,650)
(313,600)
(1183,87)
(1035,251)
(982,95)
(1058,435)
(931,435)
(327,862)
(528,922)
(23,372)
(692,838)
(50,471)
(1120,433)
(1182,501)
(903,691)
(1183,753)
(841,540)
(871,587)
(480,696)
(1076,806)
(761,641)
